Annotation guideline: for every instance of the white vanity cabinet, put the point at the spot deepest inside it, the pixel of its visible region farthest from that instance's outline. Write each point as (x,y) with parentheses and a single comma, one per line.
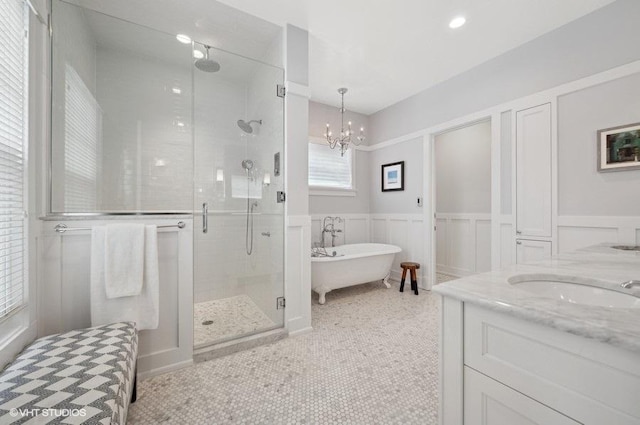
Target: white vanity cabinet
(498,369)
(531,250)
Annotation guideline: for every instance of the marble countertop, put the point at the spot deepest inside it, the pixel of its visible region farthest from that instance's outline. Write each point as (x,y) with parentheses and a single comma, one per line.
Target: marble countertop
(601,265)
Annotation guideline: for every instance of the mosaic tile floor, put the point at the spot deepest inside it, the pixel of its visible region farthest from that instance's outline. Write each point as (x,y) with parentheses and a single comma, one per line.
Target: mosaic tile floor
(231,317)
(372,358)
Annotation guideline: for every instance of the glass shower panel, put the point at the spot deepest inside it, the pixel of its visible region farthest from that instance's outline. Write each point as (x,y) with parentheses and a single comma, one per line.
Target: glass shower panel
(239,227)
(121,116)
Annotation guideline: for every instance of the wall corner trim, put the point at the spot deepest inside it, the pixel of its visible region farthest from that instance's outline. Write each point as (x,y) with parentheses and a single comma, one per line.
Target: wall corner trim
(297,89)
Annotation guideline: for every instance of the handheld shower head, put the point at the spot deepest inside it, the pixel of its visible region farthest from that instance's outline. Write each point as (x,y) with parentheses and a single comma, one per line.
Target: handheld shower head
(247,164)
(246,126)
(205,64)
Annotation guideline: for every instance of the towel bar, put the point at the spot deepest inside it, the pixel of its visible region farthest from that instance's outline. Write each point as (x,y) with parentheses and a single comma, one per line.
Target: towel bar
(61,228)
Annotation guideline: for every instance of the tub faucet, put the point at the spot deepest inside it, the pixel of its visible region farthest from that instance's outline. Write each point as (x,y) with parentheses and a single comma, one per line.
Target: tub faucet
(630,284)
(328,226)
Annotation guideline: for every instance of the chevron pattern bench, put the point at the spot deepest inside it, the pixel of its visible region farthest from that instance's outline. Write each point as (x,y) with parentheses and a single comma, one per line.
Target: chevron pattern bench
(85,376)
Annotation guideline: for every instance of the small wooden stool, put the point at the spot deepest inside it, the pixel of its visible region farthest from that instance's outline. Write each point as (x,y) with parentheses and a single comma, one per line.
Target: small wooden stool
(414,280)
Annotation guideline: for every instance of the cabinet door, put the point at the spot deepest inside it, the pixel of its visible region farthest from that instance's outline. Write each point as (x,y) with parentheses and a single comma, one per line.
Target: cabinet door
(533,173)
(527,250)
(488,402)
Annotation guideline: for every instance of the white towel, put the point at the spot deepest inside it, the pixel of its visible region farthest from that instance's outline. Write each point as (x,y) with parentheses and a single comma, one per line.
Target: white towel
(124,252)
(144,309)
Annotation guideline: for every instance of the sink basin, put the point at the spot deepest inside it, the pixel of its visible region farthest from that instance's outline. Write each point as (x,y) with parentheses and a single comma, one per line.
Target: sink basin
(561,289)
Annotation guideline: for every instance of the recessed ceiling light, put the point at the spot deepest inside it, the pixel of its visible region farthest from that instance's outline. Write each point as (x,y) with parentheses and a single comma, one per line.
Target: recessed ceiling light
(198,54)
(183,38)
(176,90)
(457,22)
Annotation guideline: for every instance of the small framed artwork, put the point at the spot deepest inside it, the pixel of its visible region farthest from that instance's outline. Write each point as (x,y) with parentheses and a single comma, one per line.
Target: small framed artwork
(393,176)
(619,148)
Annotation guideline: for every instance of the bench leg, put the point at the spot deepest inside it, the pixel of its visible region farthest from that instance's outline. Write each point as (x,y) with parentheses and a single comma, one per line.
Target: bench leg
(134,391)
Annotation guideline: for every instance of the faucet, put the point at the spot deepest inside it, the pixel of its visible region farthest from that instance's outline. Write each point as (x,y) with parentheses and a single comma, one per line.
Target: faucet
(328,226)
(630,284)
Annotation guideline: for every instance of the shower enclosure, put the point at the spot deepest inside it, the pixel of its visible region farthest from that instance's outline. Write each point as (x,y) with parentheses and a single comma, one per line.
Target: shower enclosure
(238,124)
(144,123)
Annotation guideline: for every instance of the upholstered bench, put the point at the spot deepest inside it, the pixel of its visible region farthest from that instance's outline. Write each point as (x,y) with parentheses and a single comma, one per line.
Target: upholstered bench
(85,376)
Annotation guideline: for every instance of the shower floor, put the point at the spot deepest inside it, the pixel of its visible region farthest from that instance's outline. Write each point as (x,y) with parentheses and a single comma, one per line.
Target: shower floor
(229,317)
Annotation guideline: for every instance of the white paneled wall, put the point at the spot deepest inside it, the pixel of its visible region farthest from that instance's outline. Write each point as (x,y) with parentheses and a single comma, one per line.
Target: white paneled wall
(297,315)
(404,230)
(354,229)
(64,296)
(463,243)
(580,231)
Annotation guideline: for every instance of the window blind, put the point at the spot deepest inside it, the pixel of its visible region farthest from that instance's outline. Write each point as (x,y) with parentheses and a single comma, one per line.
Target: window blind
(82,128)
(328,169)
(13,119)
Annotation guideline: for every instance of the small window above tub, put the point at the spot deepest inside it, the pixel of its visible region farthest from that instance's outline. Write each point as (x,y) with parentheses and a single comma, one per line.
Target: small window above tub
(329,173)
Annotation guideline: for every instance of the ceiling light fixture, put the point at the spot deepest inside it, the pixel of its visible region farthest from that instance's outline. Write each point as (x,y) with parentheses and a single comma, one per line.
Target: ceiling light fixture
(345,135)
(198,54)
(183,38)
(176,90)
(457,22)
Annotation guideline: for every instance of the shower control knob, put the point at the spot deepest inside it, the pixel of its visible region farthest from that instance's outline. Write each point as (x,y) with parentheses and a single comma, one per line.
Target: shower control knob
(281,197)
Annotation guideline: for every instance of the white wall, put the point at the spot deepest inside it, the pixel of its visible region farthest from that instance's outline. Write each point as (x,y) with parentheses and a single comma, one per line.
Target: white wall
(601,40)
(463,200)
(580,116)
(400,202)
(463,170)
(64,291)
(319,116)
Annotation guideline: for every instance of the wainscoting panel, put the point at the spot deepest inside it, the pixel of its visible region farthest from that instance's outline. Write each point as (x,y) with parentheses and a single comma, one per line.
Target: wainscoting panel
(64,298)
(506,244)
(407,231)
(580,231)
(463,243)
(378,230)
(483,246)
(297,280)
(354,228)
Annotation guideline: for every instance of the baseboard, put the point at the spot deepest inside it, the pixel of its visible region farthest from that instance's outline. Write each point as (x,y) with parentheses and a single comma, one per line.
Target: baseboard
(301,331)
(164,369)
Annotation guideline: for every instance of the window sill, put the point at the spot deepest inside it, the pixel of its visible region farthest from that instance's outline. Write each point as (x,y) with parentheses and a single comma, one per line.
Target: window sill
(332,192)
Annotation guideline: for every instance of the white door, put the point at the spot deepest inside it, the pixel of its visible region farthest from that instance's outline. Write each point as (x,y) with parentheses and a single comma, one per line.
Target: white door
(488,402)
(533,173)
(527,251)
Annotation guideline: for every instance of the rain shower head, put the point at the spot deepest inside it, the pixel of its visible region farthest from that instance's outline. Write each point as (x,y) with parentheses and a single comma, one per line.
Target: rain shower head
(205,64)
(246,126)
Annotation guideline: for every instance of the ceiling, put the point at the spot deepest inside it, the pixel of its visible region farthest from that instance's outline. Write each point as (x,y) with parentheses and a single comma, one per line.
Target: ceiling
(387,50)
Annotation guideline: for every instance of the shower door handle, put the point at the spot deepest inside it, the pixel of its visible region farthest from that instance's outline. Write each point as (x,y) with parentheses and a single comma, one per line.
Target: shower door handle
(205,218)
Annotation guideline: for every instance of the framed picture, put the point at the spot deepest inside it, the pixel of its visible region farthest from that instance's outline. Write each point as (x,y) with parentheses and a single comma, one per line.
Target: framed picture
(393,176)
(619,148)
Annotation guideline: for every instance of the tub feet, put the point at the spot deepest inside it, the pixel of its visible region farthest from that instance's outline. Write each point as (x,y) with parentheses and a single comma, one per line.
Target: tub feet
(386,281)
(321,298)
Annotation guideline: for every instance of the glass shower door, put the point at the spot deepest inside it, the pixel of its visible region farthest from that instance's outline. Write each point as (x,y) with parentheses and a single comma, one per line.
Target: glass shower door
(239,225)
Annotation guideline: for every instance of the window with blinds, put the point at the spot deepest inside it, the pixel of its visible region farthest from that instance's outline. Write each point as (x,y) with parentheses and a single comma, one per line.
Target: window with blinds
(82,128)
(13,120)
(327,169)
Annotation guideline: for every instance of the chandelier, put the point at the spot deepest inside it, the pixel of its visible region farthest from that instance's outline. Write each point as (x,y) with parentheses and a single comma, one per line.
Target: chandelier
(344,139)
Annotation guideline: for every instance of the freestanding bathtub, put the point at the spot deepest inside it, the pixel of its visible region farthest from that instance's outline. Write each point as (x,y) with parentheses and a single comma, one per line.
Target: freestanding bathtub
(353,264)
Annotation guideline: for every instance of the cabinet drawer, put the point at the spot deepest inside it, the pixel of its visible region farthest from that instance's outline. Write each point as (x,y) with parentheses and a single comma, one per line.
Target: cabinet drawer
(589,381)
(488,402)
